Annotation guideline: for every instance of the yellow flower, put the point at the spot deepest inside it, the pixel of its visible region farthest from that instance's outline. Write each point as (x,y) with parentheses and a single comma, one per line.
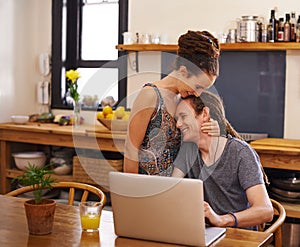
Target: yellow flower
(72,75)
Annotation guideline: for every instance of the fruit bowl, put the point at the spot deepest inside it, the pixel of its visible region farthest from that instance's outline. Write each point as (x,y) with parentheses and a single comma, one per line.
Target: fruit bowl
(115,124)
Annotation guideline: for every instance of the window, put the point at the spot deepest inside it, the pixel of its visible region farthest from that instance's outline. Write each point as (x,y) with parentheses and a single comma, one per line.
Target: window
(84,36)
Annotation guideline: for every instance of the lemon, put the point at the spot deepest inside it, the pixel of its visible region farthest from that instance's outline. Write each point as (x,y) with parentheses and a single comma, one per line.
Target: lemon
(107,110)
(100,115)
(110,116)
(126,117)
(120,112)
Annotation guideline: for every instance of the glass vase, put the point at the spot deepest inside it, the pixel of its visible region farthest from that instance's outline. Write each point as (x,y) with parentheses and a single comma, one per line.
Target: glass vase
(76,114)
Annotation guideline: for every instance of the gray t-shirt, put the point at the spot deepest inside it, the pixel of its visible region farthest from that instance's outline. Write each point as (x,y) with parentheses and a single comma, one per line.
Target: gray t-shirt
(226,181)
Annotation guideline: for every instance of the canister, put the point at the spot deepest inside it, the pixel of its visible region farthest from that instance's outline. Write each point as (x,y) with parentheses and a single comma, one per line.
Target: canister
(247,29)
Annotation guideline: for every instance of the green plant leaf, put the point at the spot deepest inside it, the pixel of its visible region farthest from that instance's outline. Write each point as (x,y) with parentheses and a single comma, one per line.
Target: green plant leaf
(38,178)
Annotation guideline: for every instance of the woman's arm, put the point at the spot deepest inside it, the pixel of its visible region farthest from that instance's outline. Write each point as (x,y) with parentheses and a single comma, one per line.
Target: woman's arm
(140,115)
(260,210)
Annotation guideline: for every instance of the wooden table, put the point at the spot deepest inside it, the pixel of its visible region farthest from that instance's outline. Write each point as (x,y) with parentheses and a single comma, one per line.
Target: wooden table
(27,137)
(67,230)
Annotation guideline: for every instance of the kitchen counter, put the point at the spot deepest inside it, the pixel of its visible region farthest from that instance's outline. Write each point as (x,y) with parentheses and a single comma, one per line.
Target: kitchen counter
(278,153)
(67,136)
(32,136)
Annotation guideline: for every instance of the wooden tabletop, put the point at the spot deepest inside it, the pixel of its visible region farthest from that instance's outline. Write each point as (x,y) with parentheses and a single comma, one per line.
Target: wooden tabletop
(277,146)
(52,128)
(86,136)
(278,153)
(67,230)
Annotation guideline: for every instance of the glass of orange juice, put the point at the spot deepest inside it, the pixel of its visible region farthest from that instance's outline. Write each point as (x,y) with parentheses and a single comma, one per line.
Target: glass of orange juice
(90,213)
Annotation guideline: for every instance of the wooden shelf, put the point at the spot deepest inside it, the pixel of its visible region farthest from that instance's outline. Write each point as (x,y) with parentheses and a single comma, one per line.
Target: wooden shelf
(148,47)
(246,46)
(12,173)
(292,209)
(259,46)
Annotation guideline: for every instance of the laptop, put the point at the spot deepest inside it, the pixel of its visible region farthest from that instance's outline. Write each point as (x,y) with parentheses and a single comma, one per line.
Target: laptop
(160,209)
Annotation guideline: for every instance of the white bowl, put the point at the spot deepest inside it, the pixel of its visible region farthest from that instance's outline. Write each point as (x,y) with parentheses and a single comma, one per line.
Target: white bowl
(22,160)
(19,119)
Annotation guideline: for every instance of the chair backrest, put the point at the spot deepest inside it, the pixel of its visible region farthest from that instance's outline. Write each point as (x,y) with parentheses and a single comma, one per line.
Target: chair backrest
(72,186)
(275,227)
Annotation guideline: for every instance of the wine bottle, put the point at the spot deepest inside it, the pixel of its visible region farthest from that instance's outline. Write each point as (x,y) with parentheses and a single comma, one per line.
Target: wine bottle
(280,32)
(287,28)
(272,28)
(293,27)
(298,30)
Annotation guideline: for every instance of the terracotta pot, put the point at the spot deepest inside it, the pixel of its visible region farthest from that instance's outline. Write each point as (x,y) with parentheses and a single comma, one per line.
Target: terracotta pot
(40,216)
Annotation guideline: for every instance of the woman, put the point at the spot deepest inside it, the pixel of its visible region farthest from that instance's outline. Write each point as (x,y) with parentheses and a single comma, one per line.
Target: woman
(153,140)
(234,190)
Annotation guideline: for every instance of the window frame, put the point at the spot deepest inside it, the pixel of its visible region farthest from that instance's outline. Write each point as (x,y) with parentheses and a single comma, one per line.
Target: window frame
(73,48)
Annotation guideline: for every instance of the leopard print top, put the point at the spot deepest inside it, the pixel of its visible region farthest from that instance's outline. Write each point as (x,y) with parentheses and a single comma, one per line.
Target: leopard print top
(161,142)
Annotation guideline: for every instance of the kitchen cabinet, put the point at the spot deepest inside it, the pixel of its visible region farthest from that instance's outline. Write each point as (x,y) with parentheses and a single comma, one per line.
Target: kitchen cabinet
(34,136)
(277,153)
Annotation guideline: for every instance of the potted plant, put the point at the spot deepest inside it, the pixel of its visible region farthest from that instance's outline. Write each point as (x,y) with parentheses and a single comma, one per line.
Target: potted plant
(39,211)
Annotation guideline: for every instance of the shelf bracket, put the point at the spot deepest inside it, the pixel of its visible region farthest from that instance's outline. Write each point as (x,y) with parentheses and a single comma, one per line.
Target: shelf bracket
(137,62)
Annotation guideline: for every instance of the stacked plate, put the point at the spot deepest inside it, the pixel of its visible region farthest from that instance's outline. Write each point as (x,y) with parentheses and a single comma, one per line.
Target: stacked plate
(285,186)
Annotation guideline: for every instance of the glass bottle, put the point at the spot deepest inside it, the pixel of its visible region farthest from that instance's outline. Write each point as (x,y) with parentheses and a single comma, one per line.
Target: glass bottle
(260,27)
(270,32)
(280,32)
(287,28)
(293,27)
(264,33)
(272,28)
(298,30)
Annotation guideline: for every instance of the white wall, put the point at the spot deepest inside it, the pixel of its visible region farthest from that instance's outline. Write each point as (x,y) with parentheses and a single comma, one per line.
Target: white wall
(174,17)
(292,94)
(25,27)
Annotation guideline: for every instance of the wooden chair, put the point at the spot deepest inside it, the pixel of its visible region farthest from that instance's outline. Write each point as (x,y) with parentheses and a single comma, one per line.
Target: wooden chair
(275,227)
(72,186)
